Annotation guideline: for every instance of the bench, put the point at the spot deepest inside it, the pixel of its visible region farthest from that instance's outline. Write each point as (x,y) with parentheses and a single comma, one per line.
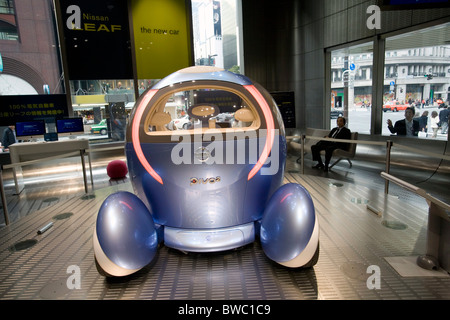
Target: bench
(341,154)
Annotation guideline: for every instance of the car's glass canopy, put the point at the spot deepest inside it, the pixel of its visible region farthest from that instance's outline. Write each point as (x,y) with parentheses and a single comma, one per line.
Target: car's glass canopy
(206,108)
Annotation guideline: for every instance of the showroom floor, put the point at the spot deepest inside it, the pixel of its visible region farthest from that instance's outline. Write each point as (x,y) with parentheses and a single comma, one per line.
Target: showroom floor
(363,255)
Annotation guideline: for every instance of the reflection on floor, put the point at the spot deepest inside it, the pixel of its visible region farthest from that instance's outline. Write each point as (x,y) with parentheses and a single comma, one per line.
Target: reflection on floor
(354,241)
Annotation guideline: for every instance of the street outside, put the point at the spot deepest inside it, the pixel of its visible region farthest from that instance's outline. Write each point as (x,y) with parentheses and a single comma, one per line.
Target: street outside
(358,120)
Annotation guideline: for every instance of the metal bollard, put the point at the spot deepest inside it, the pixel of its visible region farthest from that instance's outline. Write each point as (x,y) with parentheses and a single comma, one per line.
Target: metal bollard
(388,164)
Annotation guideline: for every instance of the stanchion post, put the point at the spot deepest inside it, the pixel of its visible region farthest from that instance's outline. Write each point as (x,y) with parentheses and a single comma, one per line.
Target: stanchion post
(2,190)
(303,154)
(90,168)
(84,170)
(388,164)
(430,260)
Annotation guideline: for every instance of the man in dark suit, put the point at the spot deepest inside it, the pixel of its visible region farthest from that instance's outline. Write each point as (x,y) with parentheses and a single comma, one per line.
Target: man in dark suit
(340,132)
(406,127)
(9,137)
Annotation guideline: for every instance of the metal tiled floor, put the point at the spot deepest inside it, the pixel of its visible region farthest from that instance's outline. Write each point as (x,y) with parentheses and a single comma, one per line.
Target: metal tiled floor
(352,238)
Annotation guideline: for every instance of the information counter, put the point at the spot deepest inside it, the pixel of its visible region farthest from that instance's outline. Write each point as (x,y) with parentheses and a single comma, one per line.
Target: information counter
(43,150)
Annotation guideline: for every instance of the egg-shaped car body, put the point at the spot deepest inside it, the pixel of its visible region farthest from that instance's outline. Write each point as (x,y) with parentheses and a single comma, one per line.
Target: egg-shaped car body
(206,184)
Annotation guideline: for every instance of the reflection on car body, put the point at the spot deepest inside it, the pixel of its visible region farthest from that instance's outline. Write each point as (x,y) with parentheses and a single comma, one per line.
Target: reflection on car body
(183,123)
(224,120)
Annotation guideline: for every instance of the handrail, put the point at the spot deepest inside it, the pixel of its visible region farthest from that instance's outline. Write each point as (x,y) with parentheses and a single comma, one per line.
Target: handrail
(419,191)
(339,140)
(388,143)
(425,153)
(438,227)
(380,143)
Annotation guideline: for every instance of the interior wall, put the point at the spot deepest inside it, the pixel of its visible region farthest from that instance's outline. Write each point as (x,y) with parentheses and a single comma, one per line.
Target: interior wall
(285,43)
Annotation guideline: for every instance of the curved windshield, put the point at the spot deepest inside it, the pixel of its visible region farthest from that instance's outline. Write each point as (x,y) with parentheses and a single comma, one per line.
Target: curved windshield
(202,108)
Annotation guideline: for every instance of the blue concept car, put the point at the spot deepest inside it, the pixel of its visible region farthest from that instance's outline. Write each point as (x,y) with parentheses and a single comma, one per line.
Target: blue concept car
(206,152)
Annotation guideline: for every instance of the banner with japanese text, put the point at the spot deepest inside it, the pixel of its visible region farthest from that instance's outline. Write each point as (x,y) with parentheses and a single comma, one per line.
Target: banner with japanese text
(32,107)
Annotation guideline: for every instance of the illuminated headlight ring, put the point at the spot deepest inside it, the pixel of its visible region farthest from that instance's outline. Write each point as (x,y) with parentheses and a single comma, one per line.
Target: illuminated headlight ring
(270,128)
(135,134)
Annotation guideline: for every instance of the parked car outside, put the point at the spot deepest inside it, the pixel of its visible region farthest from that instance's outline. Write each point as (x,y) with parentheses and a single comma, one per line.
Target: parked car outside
(100,127)
(394,106)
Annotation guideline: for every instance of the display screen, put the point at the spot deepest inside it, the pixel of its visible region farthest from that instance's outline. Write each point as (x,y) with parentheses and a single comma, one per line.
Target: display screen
(30,128)
(69,125)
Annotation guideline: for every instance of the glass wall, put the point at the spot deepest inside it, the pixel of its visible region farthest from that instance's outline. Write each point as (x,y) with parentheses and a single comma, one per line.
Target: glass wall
(105,106)
(351,86)
(417,74)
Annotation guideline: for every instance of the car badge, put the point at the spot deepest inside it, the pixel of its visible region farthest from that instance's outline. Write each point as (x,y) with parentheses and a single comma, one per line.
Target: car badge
(202,154)
(212,180)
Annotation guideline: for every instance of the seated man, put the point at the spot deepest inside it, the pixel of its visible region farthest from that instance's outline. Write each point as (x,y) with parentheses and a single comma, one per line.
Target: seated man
(340,132)
(405,127)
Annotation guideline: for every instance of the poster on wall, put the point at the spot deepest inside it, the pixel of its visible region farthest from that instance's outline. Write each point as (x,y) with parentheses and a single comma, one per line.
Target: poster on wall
(97,39)
(32,107)
(162,37)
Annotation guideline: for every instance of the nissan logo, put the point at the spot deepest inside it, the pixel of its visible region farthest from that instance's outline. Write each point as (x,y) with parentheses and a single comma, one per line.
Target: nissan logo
(202,154)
